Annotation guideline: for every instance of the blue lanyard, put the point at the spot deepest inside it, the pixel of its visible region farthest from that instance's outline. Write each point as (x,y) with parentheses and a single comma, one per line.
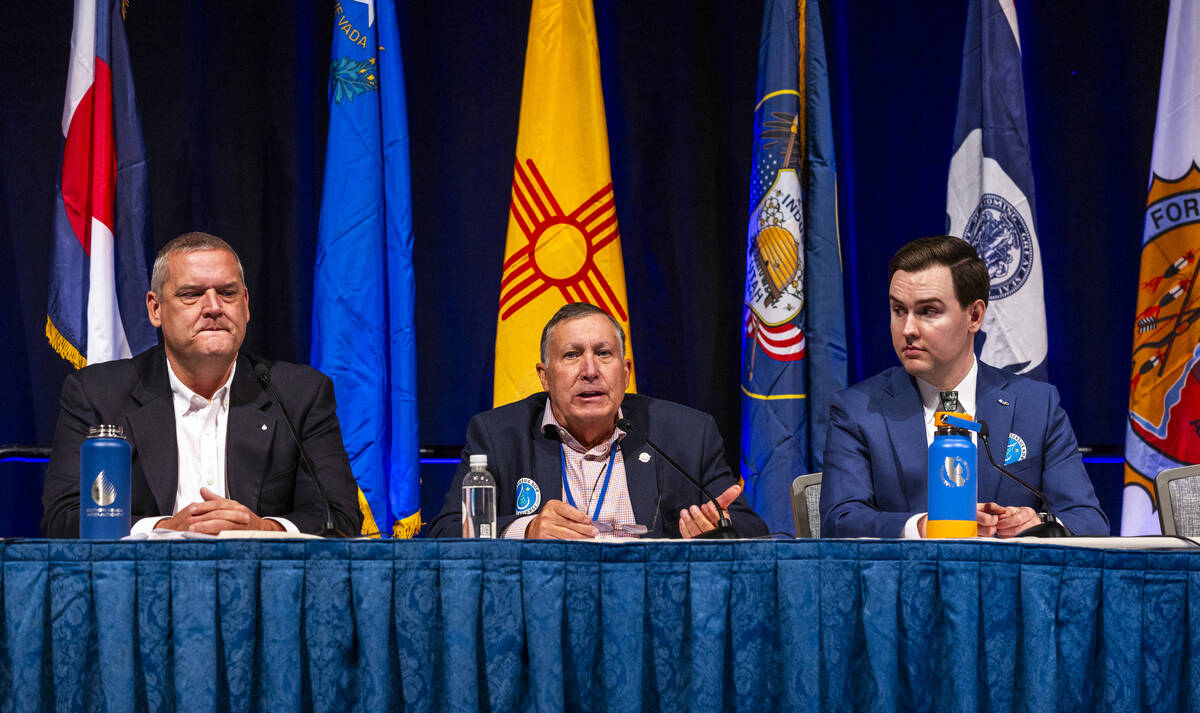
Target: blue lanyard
(562,463)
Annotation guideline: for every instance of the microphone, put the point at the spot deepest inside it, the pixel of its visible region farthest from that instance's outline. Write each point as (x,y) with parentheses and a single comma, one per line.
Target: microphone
(264,377)
(724,530)
(1051,526)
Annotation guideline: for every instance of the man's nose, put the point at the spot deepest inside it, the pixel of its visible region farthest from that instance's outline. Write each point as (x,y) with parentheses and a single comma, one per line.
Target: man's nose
(910,325)
(589,367)
(210,303)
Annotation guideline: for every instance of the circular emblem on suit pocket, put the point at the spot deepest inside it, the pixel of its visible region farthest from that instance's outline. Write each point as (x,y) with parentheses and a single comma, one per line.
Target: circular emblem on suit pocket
(1016,449)
(528,496)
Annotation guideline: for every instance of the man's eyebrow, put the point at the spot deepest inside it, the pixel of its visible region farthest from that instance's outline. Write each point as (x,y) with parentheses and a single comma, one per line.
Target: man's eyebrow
(187,288)
(925,301)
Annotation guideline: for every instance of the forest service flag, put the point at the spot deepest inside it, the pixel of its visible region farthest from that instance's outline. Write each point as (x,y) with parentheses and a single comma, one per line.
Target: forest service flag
(563,244)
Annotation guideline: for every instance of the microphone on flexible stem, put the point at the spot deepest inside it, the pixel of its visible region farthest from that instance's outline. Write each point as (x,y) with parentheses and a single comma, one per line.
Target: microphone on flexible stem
(264,378)
(724,529)
(1051,526)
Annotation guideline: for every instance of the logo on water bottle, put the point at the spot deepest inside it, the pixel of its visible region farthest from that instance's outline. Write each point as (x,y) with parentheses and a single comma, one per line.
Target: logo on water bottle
(103,490)
(955,471)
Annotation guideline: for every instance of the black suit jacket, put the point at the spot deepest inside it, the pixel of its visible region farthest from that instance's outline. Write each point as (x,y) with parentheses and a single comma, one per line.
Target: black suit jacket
(516,448)
(262,463)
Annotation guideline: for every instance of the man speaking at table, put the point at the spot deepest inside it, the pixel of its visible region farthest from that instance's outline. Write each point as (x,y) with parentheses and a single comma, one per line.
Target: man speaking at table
(211,448)
(875,482)
(562,463)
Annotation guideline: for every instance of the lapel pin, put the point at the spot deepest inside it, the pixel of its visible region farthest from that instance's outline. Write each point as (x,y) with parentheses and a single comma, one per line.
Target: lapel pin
(264,427)
(644,457)
(1003,402)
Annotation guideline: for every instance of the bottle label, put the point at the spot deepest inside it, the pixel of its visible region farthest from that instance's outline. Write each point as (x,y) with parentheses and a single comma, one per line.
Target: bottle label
(485,530)
(955,471)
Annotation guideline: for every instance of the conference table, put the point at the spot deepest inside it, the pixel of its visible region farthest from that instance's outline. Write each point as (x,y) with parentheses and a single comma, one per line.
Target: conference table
(460,625)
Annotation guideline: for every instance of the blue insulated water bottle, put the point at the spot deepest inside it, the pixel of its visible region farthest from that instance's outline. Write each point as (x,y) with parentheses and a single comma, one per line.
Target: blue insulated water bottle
(104,463)
(952,470)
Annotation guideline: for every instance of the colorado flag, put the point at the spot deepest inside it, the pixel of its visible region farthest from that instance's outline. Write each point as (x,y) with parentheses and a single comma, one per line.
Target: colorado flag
(98,271)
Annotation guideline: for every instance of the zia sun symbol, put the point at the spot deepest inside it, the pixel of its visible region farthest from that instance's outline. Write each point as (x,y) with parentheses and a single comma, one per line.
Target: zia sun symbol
(560,249)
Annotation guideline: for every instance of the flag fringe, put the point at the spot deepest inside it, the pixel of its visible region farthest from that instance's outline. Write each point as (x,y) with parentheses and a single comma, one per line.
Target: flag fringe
(369,528)
(408,527)
(63,346)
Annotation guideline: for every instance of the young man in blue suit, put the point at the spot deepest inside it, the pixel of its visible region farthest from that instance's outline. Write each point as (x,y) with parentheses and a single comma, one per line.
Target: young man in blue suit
(563,465)
(874,481)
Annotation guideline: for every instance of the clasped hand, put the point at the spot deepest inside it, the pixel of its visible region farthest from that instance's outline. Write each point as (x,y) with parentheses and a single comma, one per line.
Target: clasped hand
(214,514)
(558,520)
(995,520)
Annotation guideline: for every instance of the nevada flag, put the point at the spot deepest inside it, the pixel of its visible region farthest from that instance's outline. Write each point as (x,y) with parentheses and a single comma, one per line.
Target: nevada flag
(989,199)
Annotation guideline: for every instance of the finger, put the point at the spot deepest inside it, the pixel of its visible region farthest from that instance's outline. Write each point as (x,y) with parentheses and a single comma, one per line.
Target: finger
(214,527)
(231,514)
(703,518)
(209,506)
(558,508)
(730,494)
(686,527)
(992,508)
(987,530)
(209,495)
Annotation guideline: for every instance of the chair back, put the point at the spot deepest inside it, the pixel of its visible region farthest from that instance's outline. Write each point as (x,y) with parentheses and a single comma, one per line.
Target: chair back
(1178,493)
(806,505)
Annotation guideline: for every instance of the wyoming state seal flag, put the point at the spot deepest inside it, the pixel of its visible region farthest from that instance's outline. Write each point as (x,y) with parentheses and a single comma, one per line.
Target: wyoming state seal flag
(563,244)
(1164,386)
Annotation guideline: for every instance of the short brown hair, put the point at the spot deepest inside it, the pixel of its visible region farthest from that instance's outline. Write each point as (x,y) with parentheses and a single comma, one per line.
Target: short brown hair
(188,243)
(571,311)
(967,271)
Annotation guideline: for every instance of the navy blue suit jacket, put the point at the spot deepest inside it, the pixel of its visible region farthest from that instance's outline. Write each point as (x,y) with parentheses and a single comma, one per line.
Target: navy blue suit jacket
(876,452)
(516,448)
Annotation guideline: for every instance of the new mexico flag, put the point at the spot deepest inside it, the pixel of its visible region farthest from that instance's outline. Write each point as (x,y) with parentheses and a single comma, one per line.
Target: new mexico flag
(563,244)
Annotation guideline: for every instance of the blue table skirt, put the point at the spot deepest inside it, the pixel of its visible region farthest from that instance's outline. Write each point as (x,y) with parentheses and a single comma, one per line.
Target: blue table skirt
(500,626)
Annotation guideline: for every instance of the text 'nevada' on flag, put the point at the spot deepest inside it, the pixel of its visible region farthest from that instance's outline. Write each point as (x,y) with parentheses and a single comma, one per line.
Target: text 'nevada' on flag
(364,288)
(99,266)
(794,329)
(562,243)
(989,196)
(1164,383)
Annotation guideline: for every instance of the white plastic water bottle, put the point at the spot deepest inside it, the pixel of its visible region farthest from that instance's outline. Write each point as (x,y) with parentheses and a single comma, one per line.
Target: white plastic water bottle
(479,500)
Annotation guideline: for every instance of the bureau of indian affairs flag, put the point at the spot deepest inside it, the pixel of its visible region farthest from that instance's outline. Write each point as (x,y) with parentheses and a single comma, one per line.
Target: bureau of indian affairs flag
(99,271)
(563,244)
(1164,383)
(794,327)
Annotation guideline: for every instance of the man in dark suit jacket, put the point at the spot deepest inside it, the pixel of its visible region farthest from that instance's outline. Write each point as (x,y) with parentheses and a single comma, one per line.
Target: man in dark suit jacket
(875,480)
(529,442)
(199,299)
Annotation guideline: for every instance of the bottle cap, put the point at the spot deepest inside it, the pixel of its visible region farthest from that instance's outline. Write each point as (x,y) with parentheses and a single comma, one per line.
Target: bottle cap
(106,431)
(479,460)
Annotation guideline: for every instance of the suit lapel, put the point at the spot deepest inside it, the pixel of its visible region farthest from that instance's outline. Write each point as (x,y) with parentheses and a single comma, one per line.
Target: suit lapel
(993,404)
(248,436)
(152,429)
(905,419)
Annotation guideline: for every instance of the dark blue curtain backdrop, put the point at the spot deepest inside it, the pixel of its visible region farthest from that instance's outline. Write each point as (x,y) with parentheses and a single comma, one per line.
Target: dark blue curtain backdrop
(233,104)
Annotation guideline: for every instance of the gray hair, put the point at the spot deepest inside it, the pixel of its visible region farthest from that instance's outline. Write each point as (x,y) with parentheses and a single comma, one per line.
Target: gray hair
(574,310)
(188,243)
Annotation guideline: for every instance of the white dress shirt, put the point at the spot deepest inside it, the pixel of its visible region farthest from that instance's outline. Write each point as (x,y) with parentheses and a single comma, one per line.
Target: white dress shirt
(930,400)
(200,429)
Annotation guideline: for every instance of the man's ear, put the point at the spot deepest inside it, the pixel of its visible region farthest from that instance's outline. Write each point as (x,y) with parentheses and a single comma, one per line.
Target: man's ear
(152,309)
(975,312)
(541,372)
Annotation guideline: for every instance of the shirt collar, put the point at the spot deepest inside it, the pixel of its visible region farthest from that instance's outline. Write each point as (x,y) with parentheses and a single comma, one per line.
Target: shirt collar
(931,394)
(573,443)
(188,401)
